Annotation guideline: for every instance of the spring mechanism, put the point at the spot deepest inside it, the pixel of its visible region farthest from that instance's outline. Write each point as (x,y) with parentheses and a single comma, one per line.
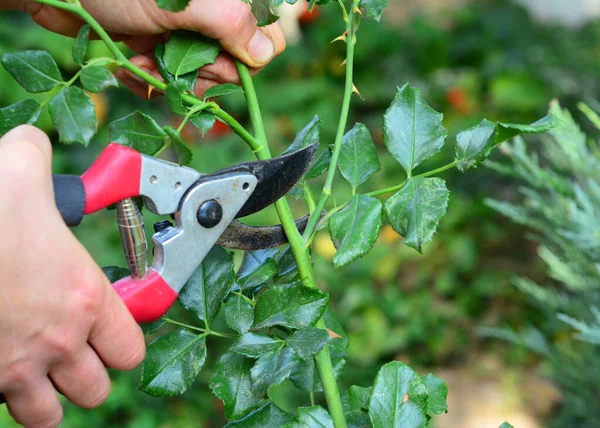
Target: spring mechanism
(133,237)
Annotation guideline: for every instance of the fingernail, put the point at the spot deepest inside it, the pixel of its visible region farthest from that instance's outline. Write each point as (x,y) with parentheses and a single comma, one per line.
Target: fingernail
(261,48)
(207,75)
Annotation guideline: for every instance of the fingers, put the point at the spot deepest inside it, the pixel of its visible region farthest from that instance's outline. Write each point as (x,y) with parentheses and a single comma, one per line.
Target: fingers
(36,406)
(83,379)
(116,337)
(25,158)
(30,136)
(231,22)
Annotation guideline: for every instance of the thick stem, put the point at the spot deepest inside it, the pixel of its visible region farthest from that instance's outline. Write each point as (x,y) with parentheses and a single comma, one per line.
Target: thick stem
(351,23)
(323,359)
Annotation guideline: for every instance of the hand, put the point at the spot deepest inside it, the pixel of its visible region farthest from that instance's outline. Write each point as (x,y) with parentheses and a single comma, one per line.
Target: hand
(61,322)
(141,24)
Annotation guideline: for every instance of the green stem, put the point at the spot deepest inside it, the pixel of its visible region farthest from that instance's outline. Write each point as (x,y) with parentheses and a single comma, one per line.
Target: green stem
(122,60)
(348,90)
(204,331)
(401,185)
(323,359)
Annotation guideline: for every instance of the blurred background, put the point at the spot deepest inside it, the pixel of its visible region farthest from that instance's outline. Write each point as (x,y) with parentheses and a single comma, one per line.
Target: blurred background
(499,59)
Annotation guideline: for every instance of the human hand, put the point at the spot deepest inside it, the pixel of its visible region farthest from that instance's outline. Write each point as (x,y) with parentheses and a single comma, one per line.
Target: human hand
(141,24)
(61,322)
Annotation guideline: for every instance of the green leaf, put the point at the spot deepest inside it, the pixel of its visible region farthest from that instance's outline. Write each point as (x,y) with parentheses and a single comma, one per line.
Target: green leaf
(438,393)
(290,305)
(172,363)
(506,425)
(187,51)
(506,131)
(355,229)
(286,262)
(24,112)
(152,327)
(358,156)
(73,114)
(203,121)
(173,5)
(173,93)
(356,399)
(221,90)
(308,342)
(232,384)
(239,314)
(191,78)
(97,79)
(312,417)
(267,416)
(209,284)
(321,164)
(416,210)
(474,145)
(374,8)
(36,71)
(413,131)
(184,152)
(398,398)
(305,374)
(309,135)
(138,131)
(272,369)
(114,273)
(255,345)
(261,9)
(257,268)
(80,46)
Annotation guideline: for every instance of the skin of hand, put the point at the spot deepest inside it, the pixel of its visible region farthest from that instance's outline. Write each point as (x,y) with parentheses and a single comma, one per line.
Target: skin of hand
(141,24)
(61,323)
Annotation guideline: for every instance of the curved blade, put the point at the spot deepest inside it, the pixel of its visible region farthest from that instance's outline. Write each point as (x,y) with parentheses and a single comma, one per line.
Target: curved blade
(240,236)
(275,176)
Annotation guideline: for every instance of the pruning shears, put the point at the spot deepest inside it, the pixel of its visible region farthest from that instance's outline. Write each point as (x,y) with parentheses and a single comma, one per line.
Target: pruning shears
(204,207)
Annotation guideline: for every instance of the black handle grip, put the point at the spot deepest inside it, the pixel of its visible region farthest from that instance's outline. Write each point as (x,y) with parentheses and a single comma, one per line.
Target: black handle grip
(69,194)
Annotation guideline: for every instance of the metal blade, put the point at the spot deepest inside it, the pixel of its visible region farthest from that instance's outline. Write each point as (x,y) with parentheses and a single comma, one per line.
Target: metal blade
(240,236)
(275,176)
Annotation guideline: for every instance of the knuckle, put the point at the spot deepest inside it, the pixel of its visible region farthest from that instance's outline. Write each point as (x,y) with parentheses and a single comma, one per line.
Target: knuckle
(19,373)
(97,398)
(135,354)
(60,343)
(54,420)
(239,19)
(87,297)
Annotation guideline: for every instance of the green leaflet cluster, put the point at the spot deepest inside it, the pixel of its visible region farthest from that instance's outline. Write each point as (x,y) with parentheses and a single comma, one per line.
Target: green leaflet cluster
(413,133)
(273,315)
(70,107)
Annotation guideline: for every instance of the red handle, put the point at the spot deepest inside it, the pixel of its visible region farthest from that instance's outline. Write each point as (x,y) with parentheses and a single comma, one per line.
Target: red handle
(147,299)
(114,176)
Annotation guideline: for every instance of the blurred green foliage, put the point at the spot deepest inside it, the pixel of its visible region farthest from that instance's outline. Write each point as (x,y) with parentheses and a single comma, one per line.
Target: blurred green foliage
(484,60)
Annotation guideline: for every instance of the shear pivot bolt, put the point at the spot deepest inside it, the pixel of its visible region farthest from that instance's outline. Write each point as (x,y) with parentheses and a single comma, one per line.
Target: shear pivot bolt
(210,214)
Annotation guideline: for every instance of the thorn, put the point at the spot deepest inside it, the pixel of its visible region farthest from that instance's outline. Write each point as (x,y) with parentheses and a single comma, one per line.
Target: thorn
(333,334)
(343,37)
(343,63)
(406,398)
(357,11)
(355,90)
(150,89)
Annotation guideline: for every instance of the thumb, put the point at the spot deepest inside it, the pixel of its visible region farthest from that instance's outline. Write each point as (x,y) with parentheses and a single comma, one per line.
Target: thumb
(29,143)
(231,22)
